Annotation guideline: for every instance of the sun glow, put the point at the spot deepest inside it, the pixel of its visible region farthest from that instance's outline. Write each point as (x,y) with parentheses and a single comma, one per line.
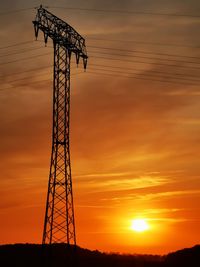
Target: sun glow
(139,225)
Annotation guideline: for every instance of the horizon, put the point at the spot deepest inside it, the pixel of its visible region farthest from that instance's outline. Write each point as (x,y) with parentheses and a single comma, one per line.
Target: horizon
(135,124)
(106,252)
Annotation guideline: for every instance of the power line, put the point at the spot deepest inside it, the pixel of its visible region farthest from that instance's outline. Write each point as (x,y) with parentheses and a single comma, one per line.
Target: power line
(185,76)
(134,56)
(148,13)
(151,75)
(22,59)
(32,49)
(109,48)
(145,62)
(29,70)
(114,75)
(21,52)
(142,42)
(112,59)
(122,60)
(25,71)
(104,48)
(134,61)
(127,12)
(25,78)
(17,44)
(138,78)
(178,76)
(7,88)
(46,80)
(15,11)
(153,58)
(32,70)
(127,50)
(160,72)
(154,71)
(142,52)
(109,68)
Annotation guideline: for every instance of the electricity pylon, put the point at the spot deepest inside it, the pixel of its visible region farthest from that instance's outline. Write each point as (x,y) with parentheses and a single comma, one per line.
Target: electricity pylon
(59,223)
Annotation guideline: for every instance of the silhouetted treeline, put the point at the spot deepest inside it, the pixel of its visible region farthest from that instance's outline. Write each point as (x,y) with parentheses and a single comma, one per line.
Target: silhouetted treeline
(188,257)
(60,255)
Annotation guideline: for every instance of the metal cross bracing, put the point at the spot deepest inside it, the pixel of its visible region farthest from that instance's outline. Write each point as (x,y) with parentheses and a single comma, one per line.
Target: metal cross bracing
(59,224)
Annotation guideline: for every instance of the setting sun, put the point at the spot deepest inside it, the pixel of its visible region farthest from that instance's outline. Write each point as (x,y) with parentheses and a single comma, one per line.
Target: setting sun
(139,225)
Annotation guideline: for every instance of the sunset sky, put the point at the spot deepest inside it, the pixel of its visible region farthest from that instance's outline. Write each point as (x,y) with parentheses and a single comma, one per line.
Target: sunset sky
(135,124)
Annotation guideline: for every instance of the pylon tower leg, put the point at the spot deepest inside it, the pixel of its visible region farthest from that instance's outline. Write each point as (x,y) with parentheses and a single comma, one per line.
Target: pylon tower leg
(59,224)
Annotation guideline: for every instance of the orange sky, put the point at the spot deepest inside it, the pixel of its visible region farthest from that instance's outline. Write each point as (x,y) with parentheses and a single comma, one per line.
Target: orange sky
(134,143)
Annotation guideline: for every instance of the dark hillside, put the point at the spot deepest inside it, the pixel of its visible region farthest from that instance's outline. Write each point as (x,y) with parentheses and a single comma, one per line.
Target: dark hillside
(27,255)
(188,257)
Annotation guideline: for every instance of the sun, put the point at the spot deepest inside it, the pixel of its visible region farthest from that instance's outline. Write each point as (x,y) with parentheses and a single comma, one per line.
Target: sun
(139,225)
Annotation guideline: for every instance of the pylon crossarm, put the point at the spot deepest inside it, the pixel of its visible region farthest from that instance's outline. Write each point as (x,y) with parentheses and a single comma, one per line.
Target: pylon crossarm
(61,33)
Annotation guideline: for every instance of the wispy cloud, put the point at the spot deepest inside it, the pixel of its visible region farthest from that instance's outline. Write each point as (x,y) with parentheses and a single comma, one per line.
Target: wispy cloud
(168,194)
(114,174)
(160,211)
(171,220)
(95,182)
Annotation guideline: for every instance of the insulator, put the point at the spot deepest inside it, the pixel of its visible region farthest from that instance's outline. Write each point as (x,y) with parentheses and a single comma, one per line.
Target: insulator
(36,28)
(85,63)
(77,58)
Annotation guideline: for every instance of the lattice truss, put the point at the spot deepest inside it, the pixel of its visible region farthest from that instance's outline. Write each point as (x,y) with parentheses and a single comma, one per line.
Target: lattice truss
(59,225)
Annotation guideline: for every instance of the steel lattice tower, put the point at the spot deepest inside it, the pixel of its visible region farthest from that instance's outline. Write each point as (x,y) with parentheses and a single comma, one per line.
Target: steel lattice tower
(59,224)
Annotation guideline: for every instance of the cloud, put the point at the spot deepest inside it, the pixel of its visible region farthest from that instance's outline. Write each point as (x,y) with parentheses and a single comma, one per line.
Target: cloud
(170,194)
(92,175)
(161,210)
(96,183)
